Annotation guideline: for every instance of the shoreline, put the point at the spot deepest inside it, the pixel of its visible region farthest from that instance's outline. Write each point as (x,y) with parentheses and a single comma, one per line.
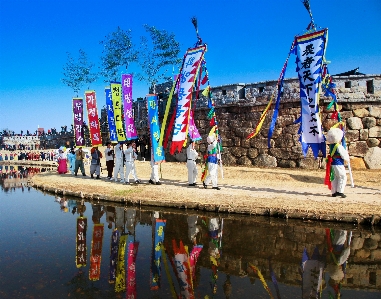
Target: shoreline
(275,192)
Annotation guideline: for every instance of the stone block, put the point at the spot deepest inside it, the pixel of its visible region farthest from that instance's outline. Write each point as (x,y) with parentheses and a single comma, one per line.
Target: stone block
(372,158)
(245,161)
(357,163)
(238,151)
(285,140)
(357,243)
(376,236)
(361,255)
(245,143)
(372,142)
(362,112)
(286,163)
(375,255)
(358,148)
(264,160)
(228,159)
(375,112)
(308,163)
(364,134)
(252,153)
(279,153)
(375,132)
(291,129)
(368,122)
(354,123)
(370,244)
(352,135)
(346,114)
(285,120)
(259,142)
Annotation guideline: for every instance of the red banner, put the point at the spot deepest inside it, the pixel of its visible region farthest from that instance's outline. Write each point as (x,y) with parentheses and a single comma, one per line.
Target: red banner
(92,112)
(96,252)
(80,254)
(131,270)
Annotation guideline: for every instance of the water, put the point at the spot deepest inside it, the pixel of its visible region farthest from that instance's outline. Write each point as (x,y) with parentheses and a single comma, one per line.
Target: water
(241,256)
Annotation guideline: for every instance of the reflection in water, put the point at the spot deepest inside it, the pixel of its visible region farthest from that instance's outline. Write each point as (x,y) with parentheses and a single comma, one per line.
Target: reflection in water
(144,253)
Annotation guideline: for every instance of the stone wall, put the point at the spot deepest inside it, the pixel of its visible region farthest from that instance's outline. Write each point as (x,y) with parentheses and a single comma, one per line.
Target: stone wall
(239,107)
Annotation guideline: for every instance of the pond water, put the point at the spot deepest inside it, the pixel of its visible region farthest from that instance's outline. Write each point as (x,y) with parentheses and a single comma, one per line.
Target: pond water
(57,247)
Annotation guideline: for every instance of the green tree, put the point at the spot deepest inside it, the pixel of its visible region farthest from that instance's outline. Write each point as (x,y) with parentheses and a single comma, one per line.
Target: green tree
(118,51)
(78,73)
(159,51)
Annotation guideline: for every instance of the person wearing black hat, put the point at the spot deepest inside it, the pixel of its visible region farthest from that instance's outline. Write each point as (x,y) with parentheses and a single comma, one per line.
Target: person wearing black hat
(109,155)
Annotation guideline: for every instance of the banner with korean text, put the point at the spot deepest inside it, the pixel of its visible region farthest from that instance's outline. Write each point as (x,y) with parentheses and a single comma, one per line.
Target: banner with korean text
(110,116)
(116,96)
(310,50)
(92,112)
(78,121)
(120,278)
(113,255)
(188,76)
(131,269)
(127,106)
(81,248)
(154,126)
(96,252)
(156,253)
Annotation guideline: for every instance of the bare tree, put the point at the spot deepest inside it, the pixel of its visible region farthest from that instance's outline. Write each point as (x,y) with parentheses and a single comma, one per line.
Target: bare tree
(118,51)
(159,51)
(78,73)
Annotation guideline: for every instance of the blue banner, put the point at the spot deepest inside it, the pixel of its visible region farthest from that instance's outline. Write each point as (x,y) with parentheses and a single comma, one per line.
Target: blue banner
(156,253)
(110,116)
(154,126)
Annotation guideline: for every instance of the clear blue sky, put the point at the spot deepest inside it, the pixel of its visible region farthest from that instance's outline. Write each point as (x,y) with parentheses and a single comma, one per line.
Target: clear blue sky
(248,41)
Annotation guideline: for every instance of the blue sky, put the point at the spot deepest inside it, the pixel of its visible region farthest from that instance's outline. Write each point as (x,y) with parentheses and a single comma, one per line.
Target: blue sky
(248,41)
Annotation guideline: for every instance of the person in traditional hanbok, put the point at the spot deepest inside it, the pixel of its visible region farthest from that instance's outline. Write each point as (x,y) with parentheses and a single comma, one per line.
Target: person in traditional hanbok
(62,162)
(335,163)
(71,159)
(130,156)
(95,166)
(212,161)
(192,156)
(119,163)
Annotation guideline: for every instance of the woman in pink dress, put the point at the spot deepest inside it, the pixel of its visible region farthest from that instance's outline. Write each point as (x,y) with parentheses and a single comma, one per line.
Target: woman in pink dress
(62,161)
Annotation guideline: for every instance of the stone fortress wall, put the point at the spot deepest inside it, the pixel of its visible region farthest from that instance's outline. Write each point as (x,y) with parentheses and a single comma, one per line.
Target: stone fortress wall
(239,107)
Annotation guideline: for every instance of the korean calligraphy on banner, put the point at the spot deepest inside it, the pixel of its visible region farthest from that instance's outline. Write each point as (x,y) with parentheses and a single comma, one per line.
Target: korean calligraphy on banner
(131,269)
(80,253)
(310,50)
(96,252)
(120,280)
(92,112)
(110,116)
(114,255)
(154,126)
(156,253)
(127,105)
(189,71)
(78,121)
(116,95)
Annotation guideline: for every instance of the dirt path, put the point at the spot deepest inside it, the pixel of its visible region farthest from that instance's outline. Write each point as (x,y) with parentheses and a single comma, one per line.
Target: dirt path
(279,192)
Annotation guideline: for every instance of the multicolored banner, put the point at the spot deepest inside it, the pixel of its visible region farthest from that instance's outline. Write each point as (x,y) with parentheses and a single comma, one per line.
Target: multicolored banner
(78,121)
(120,281)
(154,126)
(310,50)
(127,105)
(96,252)
(80,253)
(182,270)
(156,253)
(115,236)
(110,116)
(131,269)
(92,112)
(116,95)
(189,71)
